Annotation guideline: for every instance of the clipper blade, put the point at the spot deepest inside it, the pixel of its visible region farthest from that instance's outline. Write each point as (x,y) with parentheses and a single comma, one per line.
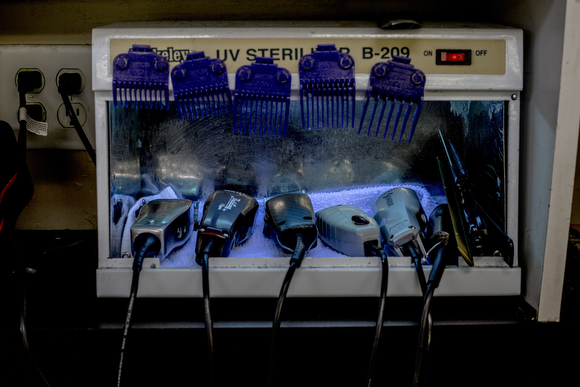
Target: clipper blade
(200,87)
(398,84)
(141,79)
(262,99)
(327,88)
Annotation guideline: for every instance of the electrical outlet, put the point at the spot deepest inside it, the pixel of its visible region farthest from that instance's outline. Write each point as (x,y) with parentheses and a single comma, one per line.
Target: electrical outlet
(52,61)
(64,119)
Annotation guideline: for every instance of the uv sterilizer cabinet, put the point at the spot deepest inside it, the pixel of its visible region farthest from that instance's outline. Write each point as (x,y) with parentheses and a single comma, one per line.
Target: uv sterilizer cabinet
(471,104)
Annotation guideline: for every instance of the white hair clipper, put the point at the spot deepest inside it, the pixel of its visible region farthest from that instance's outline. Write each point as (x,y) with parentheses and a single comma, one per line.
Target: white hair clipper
(402,221)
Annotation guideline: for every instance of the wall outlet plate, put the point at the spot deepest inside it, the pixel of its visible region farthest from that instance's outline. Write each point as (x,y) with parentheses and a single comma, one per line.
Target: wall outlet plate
(50,60)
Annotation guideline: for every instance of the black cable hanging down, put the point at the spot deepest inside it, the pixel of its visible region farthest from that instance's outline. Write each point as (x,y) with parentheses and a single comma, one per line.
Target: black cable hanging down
(381,314)
(21,274)
(22,120)
(295,262)
(23,88)
(149,242)
(426,324)
(77,125)
(207,308)
(418,267)
(424,337)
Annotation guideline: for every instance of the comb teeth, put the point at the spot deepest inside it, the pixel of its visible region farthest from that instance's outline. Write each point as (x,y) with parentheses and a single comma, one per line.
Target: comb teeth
(262,99)
(399,85)
(200,87)
(327,89)
(141,79)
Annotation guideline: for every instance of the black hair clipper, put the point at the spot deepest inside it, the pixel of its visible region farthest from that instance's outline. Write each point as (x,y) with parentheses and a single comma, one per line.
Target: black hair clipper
(228,220)
(288,216)
(289,221)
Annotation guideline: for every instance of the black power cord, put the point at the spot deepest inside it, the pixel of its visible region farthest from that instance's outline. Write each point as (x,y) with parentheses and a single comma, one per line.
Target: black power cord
(424,341)
(227,221)
(162,225)
(352,232)
(375,250)
(295,262)
(416,257)
(440,238)
(21,274)
(289,221)
(69,84)
(26,82)
(144,244)
(22,122)
(206,251)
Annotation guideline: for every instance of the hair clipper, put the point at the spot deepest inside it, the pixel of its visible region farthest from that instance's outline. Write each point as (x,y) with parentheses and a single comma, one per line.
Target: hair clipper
(347,229)
(288,215)
(401,220)
(228,220)
(168,220)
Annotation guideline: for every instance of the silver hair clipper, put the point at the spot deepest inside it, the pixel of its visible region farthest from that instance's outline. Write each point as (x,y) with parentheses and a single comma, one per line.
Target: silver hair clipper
(168,220)
(401,220)
(346,229)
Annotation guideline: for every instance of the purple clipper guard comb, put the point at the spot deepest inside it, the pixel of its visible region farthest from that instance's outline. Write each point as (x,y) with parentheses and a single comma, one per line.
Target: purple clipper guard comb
(327,88)
(141,78)
(262,99)
(200,87)
(399,83)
